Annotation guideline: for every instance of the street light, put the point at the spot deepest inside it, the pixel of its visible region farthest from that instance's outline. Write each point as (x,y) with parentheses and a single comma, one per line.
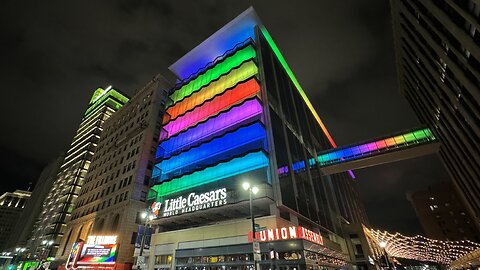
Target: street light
(147,216)
(252,190)
(46,249)
(383,244)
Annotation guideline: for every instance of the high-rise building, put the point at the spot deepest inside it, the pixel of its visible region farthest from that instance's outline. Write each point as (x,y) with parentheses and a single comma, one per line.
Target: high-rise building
(117,182)
(238,114)
(11,207)
(21,233)
(442,214)
(58,205)
(437,47)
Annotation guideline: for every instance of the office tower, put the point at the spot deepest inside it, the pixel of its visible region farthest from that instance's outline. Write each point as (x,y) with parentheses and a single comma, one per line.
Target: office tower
(11,207)
(58,205)
(117,182)
(437,47)
(442,214)
(238,115)
(21,233)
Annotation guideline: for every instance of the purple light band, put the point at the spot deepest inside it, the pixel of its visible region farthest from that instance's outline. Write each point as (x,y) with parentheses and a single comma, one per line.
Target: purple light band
(212,107)
(206,130)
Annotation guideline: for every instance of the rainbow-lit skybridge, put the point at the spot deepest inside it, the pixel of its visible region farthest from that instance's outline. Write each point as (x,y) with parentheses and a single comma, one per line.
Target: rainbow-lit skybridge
(402,145)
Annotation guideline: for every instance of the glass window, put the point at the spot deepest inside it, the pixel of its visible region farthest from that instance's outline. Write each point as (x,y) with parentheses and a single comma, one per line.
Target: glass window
(283,166)
(164,259)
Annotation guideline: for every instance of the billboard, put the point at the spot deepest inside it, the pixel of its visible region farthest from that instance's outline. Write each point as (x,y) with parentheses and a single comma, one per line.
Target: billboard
(98,249)
(73,256)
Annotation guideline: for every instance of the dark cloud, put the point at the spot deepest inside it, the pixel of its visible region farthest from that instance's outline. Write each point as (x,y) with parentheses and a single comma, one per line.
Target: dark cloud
(55,53)
(14,173)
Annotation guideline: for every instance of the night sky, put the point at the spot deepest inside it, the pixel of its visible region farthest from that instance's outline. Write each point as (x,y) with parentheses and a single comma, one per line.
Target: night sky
(54,55)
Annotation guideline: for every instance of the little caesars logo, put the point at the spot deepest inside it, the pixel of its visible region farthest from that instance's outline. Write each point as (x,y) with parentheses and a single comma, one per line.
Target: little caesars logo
(194,202)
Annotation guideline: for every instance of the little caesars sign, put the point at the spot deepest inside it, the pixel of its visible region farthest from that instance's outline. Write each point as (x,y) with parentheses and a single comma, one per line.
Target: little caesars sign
(191,203)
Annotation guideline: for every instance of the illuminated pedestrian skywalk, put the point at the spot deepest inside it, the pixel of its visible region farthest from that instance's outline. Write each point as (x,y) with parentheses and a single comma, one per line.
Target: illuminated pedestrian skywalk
(399,146)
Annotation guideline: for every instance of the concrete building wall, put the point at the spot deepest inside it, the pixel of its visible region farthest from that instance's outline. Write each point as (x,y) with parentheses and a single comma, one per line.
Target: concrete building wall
(12,205)
(116,185)
(437,47)
(442,214)
(58,204)
(227,233)
(22,232)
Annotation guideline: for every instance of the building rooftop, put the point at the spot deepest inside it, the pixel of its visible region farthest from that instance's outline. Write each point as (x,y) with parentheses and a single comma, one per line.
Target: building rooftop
(236,31)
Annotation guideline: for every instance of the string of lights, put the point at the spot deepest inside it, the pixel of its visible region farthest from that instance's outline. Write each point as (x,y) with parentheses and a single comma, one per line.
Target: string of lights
(422,248)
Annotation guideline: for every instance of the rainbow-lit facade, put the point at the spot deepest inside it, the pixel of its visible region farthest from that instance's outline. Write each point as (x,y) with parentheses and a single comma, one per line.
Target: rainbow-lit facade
(213,127)
(397,142)
(238,113)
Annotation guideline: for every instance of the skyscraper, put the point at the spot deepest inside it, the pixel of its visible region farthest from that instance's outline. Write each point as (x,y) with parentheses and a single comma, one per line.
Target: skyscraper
(437,47)
(27,221)
(116,185)
(238,115)
(12,205)
(59,203)
(442,214)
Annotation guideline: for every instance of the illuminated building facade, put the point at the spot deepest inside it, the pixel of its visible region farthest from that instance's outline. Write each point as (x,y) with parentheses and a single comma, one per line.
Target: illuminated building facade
(437,45)
(12,205)
(238,114)
(117,182)
(59,203)
(27,221)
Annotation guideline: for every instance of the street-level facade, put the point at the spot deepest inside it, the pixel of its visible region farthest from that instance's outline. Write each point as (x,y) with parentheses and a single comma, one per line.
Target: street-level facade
(59,203)
(226,245)
(437,47)
(238,114)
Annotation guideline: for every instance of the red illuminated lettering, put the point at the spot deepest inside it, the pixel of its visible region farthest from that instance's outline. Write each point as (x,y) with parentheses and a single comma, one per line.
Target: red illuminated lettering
(285,233)
(270,235)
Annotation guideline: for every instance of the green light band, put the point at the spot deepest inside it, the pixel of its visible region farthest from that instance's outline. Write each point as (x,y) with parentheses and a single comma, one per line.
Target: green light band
(295,82)
(96,94)
(221,171)
(213,90)
(214,73)
(112,98)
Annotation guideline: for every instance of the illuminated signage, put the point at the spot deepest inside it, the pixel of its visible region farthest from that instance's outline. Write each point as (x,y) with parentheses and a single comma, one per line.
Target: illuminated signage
(73,256)
(191,203)
(156,206)
(287,233)
(98,249)
(101,239)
